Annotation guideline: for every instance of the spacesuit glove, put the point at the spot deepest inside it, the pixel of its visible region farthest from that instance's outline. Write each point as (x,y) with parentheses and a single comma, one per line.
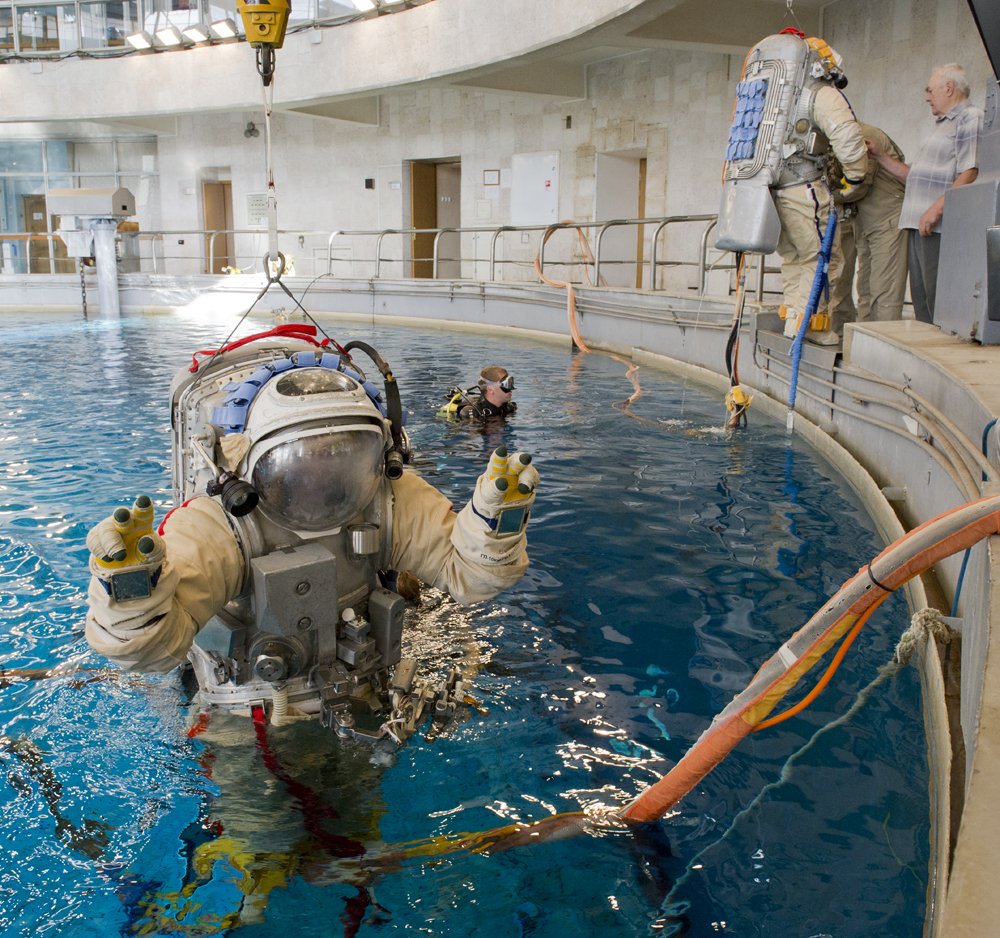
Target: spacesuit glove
(491,526)
(848,191)
(127,555)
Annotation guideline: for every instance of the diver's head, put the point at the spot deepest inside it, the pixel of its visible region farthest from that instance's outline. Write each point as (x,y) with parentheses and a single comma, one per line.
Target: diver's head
(496,384)
(316,451)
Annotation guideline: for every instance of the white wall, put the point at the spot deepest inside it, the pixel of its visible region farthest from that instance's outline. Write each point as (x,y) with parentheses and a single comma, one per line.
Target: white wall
(674,105)
(891,47)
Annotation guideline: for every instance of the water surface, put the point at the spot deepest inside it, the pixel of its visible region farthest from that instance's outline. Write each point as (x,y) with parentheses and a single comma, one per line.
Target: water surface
(668,560)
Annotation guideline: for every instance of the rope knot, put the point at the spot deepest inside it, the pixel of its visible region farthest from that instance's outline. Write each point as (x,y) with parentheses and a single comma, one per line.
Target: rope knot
(926,624)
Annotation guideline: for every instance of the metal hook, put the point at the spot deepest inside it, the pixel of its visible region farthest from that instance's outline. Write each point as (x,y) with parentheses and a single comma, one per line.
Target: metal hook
(276,276)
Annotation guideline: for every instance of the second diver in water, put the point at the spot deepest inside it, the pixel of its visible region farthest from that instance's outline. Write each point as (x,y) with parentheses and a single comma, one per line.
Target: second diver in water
(490,397)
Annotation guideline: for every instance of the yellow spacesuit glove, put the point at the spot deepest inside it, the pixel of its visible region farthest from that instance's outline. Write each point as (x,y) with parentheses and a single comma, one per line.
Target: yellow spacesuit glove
(126,553)
(505,493)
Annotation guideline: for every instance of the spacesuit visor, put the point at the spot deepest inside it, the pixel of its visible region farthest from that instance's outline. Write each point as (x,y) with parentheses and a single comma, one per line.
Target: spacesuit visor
(320,479)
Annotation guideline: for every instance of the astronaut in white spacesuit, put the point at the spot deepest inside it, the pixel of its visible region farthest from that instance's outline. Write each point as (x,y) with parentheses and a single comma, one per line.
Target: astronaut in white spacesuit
(790,118)
(275,576)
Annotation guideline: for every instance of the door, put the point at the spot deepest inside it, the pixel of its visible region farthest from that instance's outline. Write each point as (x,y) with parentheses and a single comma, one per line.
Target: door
(217,198)
(449,215)
(619,194)
(640,235)
(423,214)
(41,252)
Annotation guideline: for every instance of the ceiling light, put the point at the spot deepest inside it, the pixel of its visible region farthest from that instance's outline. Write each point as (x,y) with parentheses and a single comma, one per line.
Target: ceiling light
(224,29)
(170,37)
(363,6)
(197,33)
(141,40)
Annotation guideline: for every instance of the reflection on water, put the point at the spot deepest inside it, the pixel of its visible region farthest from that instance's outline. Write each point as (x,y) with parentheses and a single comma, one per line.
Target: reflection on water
(669,558)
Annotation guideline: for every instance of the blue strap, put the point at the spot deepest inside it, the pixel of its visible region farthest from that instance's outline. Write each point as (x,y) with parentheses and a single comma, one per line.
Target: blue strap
(491,522)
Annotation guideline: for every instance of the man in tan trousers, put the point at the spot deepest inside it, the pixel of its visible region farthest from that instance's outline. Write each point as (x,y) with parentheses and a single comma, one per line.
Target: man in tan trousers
(870,236)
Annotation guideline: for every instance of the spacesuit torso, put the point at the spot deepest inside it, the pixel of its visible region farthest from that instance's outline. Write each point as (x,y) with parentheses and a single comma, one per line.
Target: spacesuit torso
(306,434)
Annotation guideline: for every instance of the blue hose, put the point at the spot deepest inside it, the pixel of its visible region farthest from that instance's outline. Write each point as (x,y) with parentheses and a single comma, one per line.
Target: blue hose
(819,281)
(986,439)
(965,560)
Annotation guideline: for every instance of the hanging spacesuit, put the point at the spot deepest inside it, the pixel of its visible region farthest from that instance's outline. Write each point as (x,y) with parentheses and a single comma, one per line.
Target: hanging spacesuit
(789,118)
(275,575)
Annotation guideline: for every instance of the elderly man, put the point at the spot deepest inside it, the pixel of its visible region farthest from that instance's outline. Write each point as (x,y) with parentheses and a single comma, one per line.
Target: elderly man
(948,158)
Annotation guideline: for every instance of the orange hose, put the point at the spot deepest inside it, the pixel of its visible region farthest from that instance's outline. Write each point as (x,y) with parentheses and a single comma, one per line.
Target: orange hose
(656,800)
(565,285)
(631,367)
(733,725)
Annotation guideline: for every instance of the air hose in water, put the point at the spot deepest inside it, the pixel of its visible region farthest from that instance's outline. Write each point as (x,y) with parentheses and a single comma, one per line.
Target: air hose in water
(631,367)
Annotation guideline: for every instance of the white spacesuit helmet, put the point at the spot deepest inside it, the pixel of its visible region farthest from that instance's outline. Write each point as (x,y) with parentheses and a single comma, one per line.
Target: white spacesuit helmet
(317,448)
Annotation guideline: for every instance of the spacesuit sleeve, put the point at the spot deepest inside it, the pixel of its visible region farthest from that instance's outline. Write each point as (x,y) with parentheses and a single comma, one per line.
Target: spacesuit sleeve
(833,115)
(428,541)
(202,571)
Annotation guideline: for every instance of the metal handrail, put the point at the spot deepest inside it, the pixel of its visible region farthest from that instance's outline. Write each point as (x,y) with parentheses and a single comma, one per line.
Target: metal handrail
(212,235)
(437,242)
(574,225)
(616,223)
(378,249)
(158,239)
(674,220)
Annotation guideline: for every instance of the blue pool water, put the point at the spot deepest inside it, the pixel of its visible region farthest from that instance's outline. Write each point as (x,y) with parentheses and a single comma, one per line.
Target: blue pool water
(668,560)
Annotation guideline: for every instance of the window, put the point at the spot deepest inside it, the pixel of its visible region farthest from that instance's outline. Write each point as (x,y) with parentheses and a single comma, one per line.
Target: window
(45,28)
(18,157)
(104,25)
(6,29)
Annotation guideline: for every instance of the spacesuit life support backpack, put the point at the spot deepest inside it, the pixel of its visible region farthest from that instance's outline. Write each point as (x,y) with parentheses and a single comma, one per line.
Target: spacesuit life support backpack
(773,141)
(296,445)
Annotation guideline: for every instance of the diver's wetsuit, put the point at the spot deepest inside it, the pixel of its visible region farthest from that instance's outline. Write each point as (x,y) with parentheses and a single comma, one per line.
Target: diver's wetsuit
(483,408)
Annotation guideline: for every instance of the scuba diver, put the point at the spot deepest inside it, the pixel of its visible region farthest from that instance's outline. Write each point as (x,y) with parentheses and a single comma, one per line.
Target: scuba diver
(491,397)
(275,574)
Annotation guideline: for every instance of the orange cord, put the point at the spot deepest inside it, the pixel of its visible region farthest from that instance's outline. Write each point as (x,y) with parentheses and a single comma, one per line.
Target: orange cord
(565,285)
(830,671)
(631,367)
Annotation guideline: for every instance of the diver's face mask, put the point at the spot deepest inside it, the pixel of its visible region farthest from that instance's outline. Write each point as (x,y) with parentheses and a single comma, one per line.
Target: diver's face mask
(505,384)
(317,474)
